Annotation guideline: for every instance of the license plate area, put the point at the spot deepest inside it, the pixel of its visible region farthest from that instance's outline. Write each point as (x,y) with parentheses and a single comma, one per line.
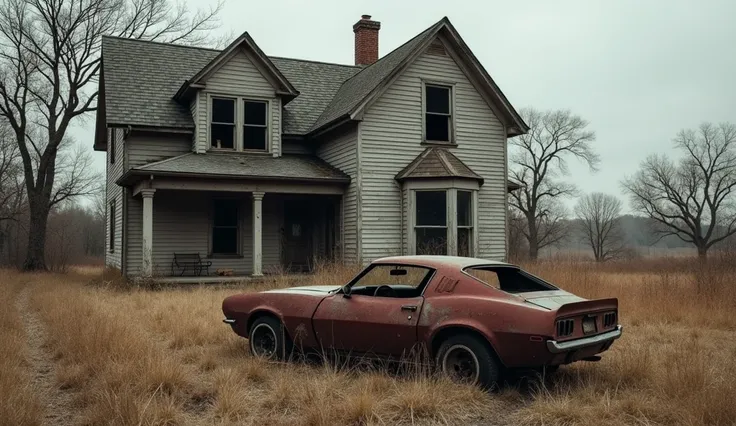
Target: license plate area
(589,325)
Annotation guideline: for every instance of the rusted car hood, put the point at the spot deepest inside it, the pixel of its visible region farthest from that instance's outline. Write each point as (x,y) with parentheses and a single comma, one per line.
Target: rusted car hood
(315,290)
(551,300)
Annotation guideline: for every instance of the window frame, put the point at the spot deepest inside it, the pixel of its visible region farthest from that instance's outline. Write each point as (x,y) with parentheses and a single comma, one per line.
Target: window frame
(112,218)
(451,134)
(210,121)
(265,126)
(446,226)
(470,227)
(451,187)
(238,228)
(367,269)
(239,141)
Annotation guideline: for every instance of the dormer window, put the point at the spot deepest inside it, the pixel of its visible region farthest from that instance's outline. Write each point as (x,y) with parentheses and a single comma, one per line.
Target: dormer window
(255,125)
(438,125)
(238,124)
(222,127)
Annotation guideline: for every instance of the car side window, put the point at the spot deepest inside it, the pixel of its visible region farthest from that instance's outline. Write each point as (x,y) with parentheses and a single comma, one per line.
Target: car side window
(394,275)
(489,277)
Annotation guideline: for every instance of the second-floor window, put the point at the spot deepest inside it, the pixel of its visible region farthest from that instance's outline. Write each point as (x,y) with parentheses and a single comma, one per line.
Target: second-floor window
(222,127)
(255,126)
(438,113)
(239,124)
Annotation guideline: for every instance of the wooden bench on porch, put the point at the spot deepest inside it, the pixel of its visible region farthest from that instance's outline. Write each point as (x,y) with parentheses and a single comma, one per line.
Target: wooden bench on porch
(191,261)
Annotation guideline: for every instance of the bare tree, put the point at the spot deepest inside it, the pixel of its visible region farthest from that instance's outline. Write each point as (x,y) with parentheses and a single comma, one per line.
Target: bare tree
(11,176)
(693,198)
(599,218)
(538,160)
(49,65)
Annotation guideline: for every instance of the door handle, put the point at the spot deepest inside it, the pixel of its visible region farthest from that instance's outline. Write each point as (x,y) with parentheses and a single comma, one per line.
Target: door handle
(409,308)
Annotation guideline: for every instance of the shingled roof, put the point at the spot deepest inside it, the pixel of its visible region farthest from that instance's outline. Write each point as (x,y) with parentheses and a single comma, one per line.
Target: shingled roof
(140,80)
(437,162)
(139,73)
(242,166)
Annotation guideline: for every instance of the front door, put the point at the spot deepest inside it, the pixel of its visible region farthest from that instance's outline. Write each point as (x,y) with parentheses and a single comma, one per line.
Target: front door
(296,236)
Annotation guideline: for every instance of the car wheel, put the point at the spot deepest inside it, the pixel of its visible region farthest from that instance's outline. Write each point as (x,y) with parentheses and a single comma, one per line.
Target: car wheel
(467,359)
(267,339)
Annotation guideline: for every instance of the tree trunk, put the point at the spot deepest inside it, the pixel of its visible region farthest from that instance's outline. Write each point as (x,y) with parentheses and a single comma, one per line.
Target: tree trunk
(532,240)
(702,251)
(35,256)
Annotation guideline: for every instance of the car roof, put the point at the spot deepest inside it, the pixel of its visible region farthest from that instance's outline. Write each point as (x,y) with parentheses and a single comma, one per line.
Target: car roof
(435,261)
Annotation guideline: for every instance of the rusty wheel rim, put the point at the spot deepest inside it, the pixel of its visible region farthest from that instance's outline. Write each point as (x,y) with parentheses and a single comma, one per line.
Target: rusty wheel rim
(263,341)
(461,364)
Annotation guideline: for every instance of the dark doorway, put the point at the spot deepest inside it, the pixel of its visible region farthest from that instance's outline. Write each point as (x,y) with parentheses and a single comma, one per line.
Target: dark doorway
(297,232)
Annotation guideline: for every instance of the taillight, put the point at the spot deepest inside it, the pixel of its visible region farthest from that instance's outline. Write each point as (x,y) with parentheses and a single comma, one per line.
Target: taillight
(565,327)
(609,319)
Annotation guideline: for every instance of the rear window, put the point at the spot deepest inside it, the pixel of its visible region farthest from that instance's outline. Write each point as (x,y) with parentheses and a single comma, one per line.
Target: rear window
(508,279)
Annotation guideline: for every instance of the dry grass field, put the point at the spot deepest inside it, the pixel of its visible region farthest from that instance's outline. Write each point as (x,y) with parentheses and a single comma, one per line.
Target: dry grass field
(75,349)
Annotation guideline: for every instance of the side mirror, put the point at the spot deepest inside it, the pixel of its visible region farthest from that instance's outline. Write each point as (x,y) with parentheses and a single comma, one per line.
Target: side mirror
(346,291)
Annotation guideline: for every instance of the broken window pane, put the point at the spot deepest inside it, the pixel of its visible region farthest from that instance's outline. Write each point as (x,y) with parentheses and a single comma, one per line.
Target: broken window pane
(431,208)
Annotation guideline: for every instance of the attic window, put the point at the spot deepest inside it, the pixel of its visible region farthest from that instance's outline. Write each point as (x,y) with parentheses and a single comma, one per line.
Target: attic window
(222,126)
(437,113)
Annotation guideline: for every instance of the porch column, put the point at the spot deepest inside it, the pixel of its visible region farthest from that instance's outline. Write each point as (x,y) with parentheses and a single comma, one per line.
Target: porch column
(258,234)
(147,267)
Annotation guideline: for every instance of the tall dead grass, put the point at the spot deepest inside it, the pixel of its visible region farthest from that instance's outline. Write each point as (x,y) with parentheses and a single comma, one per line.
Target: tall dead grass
(164,357)
(18,403)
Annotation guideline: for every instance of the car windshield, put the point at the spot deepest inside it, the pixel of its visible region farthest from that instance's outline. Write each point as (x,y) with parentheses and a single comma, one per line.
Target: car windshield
(509,279)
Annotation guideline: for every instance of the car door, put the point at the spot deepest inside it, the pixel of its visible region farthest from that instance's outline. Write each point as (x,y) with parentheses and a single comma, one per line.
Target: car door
(368,324)
(365,323)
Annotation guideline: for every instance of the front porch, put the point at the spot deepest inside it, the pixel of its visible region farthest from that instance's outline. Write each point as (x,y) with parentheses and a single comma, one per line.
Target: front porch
(247,234)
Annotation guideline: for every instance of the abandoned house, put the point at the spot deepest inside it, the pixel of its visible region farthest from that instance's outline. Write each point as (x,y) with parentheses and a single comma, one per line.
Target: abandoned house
(237,160)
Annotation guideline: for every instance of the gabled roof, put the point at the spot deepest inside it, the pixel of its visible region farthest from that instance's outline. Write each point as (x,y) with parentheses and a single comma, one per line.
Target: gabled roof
(245,40)
(140,73)
(436,163)
(302,168)
(355,93)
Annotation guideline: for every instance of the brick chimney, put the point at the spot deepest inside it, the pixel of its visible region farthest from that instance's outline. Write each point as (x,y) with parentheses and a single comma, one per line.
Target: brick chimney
(366,40)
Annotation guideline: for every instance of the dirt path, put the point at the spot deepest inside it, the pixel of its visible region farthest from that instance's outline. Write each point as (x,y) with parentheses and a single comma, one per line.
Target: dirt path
(57,403)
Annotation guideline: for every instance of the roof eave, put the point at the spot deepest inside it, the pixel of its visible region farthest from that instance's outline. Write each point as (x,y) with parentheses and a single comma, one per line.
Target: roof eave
(134,175)
(402,179)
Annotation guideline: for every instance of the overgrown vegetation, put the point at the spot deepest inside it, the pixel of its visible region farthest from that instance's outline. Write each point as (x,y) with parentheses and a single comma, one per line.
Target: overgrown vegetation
(164,357)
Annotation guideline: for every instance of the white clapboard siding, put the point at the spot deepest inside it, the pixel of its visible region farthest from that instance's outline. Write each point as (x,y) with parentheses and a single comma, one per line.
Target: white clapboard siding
(151,147)
(182,222)
(341,152)
(114,192)
(238,76)
(391,136)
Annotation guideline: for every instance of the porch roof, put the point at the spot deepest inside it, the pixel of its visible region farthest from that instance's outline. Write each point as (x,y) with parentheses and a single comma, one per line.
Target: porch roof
(300,168)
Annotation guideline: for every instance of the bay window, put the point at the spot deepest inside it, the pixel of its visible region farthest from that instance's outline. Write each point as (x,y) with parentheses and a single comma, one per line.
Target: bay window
(443,222)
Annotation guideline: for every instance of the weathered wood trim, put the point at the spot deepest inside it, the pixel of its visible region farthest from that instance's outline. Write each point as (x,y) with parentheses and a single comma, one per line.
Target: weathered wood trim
(359,179)
(451,221)
(258,234)
(466,184)
(231,186)
(453,113)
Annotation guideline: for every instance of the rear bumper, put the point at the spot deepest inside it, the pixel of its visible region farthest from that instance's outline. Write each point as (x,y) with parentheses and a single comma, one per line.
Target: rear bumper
(556,347)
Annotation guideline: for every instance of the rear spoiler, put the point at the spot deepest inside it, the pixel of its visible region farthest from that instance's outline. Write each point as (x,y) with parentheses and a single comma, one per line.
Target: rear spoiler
(597,305)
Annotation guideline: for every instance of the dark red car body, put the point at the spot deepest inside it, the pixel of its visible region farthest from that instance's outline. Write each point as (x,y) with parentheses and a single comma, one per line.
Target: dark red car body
(527,326)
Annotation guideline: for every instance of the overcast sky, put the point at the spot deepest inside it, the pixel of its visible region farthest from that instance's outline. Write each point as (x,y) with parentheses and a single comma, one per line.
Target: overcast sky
(638,71)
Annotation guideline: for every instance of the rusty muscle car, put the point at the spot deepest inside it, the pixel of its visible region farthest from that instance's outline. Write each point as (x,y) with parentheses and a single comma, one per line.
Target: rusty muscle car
(475,317)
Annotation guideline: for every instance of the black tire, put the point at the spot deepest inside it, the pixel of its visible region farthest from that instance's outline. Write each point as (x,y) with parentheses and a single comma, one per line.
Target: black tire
(465,350)
(267,339)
